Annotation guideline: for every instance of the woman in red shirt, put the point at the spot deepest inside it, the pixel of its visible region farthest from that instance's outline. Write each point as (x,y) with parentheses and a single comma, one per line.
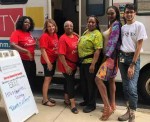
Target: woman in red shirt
(48,44)
(68,56)
(22,40)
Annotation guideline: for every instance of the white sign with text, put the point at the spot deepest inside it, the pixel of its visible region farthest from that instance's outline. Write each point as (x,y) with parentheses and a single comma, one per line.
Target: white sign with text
(15,88)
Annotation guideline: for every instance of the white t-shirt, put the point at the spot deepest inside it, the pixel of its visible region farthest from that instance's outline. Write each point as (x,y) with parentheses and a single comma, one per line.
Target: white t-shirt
(131,34)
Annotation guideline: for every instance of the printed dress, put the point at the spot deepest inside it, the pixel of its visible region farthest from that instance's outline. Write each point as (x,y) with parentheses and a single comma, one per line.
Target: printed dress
(112,41)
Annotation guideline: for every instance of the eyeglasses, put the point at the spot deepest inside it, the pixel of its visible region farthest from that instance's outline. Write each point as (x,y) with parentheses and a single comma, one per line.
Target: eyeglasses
(129,12)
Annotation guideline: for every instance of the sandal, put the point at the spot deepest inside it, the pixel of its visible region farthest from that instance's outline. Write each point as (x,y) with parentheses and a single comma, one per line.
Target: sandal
(113,107)
(106,113)
(51,100)
(74,110)
(48,103)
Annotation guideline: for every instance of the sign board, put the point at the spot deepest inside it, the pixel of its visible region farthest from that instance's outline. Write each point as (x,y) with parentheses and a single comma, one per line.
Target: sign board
(14,87)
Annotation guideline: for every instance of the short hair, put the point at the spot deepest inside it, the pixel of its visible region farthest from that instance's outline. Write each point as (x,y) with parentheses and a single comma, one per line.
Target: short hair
(66,22)
(130,7)
(52,22)
(20,22)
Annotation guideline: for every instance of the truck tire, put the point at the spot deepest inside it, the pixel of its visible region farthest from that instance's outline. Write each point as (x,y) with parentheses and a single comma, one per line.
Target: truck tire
(144,86)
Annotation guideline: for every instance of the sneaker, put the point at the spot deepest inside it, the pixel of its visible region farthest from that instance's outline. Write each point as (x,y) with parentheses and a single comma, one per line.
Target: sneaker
(124,117)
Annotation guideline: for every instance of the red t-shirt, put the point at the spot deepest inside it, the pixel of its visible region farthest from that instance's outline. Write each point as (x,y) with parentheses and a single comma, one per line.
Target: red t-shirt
(68,47)
(24,40)
(50,44)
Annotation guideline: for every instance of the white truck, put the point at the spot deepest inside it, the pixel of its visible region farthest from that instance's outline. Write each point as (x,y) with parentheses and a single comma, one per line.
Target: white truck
(76,11)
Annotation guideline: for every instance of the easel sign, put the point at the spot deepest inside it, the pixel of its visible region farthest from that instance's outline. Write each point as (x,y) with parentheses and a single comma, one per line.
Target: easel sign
(14,87)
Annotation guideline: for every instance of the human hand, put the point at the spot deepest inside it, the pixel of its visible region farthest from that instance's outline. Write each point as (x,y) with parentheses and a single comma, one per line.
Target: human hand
(30,55)
(92,68)
(131,71)
(68,70)
(49,66)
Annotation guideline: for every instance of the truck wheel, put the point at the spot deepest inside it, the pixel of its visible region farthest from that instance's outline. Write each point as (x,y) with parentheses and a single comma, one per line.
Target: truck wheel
(144,86)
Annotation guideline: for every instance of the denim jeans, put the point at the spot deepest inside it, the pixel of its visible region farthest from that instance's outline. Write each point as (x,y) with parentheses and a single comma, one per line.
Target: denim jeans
(129,85)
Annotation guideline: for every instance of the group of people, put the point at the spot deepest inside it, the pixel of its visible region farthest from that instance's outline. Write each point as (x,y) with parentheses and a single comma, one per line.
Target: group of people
(120,46)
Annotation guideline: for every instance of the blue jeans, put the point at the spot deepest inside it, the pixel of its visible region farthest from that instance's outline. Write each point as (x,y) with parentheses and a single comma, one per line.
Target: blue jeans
(129,85)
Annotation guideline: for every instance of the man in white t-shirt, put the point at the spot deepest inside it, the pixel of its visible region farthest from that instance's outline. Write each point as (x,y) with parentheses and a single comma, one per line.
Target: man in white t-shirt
(133,34)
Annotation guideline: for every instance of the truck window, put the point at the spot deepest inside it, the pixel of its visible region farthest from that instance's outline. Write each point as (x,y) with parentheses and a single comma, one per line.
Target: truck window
(143,7)
(4,2)
(95,7)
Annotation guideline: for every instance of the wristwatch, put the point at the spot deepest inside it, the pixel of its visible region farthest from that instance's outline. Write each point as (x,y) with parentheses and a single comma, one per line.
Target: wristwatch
(133,63)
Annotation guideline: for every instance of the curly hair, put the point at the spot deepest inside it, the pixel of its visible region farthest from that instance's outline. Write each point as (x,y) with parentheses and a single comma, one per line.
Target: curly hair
(20,22)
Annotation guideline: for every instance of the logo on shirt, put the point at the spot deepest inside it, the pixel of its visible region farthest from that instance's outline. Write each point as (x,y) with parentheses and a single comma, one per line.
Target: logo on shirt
(127,34)
(29,41)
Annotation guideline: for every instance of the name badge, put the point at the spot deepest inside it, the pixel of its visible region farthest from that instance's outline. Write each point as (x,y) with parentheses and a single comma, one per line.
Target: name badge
(121,60)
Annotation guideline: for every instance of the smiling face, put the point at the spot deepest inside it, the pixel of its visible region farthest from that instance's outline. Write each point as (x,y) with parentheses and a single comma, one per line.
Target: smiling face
(68,27)
(129,15)
(51,28)
(111,14)
(91,23)
(26,24)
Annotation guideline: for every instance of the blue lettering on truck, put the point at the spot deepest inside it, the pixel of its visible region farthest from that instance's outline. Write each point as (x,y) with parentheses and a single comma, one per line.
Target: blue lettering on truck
(4,44)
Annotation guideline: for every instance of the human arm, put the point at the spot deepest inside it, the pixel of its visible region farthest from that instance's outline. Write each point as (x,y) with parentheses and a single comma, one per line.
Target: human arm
(113,39)
(23,50)
(94,61)
(63,61)
(45,56)
(98,45)
(131,68)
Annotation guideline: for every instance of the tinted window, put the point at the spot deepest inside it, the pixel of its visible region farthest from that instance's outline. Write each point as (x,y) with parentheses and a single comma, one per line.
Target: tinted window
(95,7)
(13,1)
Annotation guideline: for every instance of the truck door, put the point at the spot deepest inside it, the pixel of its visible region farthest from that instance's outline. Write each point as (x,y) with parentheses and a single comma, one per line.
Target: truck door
(63,10)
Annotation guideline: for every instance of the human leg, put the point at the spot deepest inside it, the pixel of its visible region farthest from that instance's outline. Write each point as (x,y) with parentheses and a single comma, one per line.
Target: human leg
(133,95)
(123,70)
(112,91)
(70,90)
(32,74)
(129,87)
(83,85)
(27,67)
(103,91)
(66,97)
(47,81)
(91,90)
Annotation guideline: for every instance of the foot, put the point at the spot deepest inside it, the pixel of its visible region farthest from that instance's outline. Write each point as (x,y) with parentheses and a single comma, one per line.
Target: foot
(131,116)
(113,107)
(83,103)
(74,110)
(106,113)
(51,100)
(124,117)
(48,103)
(88,109)
(67,103)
